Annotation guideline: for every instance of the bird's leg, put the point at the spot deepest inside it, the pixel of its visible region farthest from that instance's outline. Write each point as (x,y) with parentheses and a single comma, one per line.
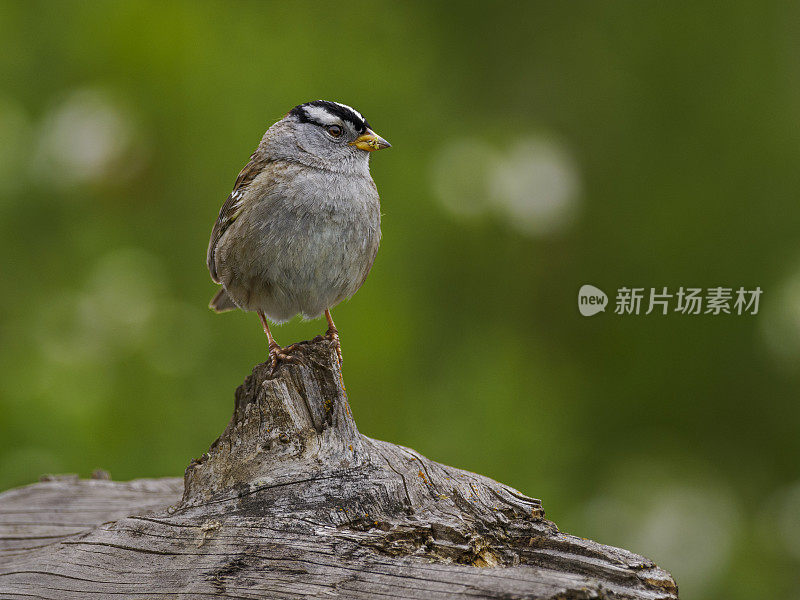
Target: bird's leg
(333,334)
(276,353)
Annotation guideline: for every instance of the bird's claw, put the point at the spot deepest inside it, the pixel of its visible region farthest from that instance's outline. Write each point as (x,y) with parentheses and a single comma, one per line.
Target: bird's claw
(332,335)
(278,355)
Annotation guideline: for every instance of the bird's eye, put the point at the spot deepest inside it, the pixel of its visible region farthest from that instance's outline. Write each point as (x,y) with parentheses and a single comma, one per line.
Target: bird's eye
(335,130)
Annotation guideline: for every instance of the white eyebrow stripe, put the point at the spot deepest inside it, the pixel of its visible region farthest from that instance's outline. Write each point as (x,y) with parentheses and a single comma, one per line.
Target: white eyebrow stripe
(319,114)
(355,112)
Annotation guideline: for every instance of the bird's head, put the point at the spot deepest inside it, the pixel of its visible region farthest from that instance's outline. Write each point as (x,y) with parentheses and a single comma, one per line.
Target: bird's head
(330,134)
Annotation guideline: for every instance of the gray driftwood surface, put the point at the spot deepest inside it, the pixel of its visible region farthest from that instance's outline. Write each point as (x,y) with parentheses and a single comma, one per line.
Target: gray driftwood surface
(293,502)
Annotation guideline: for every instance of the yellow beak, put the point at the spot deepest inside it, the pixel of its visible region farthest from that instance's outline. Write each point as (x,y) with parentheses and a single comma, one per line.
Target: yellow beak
(370,141)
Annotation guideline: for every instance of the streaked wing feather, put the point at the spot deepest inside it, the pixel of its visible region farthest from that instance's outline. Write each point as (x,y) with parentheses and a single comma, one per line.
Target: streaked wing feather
(233,207)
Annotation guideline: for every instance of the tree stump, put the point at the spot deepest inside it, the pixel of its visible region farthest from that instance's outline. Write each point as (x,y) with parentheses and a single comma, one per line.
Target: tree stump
(291,501)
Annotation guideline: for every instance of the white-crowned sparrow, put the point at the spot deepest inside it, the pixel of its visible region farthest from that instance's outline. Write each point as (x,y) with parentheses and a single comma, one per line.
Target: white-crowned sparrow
(301,228)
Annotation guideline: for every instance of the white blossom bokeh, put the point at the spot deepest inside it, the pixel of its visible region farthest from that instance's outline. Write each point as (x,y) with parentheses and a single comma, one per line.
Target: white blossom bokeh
(536,186)
(532,183)
(692,526)
(89,137)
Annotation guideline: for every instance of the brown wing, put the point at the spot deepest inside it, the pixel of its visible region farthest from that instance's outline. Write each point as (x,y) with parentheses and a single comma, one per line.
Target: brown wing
(233,206)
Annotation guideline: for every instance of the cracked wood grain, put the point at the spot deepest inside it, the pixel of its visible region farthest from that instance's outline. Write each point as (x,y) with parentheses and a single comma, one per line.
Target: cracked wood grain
(291,501)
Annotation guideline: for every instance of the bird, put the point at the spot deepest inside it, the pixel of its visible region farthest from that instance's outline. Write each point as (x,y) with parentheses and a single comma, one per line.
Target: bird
(300,230)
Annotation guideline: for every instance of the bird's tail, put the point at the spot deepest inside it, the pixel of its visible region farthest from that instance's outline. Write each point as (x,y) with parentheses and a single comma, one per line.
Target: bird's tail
(222,302)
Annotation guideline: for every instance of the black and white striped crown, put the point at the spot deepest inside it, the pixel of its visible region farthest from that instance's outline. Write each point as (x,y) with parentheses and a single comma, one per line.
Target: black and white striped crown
(324,113)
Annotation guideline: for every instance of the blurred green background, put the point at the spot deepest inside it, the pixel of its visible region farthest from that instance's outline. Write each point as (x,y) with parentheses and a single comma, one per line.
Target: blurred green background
(535,149)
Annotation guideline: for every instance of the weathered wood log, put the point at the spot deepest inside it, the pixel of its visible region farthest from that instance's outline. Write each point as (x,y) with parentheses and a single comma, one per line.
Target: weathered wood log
(293,502)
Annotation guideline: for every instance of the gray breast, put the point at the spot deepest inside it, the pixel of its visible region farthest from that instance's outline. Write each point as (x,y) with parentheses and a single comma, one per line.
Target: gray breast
(307,243)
